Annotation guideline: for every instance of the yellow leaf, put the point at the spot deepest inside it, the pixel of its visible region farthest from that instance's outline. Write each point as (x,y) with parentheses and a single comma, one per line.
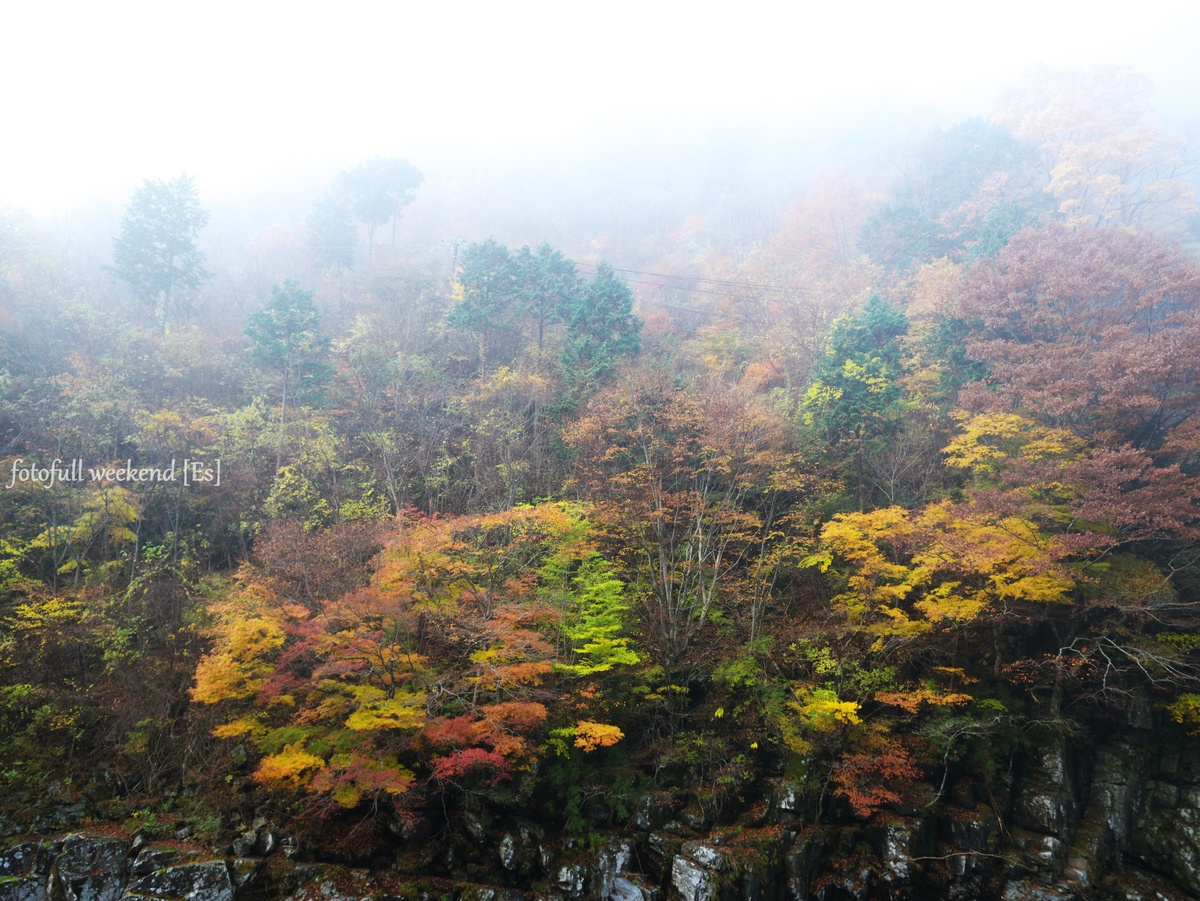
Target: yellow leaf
(404,710)
(246,725)
(590,735)
(293,766)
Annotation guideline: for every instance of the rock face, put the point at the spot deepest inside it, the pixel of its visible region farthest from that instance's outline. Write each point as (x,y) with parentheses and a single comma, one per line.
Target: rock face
(89,868)
(208,881)
(1113,820)
(1166,825)
(692,881)
(84,867)
(25,871)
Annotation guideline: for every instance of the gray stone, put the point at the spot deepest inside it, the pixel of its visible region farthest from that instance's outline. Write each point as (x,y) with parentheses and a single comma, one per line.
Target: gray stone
(976,831)
(1077,873)
(546,857)
(695,817)
(90,868)
(265,842)
(661,847)
(571,879)
(623,889)
(706,855)
(1140,715)
(897,844)
(1049,850)
(150,859)
(1136,885)
(65,816)
(691,880)
(800,865)
(530,832)
(1029,891)
(1113,804)
(977,834)
(1170,764)
(1164,794)
(1054,764)
(243,845)
(23,888)
(1043,812)
(244,870)
(326,889)
(478,824)
(27,859)
(754,887)
(1042,854)
(857,886)
(610,865)
(208,881)
(654,811)
(508,852)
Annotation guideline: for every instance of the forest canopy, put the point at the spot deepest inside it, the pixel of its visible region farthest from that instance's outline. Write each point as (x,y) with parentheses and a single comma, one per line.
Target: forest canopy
(875,492)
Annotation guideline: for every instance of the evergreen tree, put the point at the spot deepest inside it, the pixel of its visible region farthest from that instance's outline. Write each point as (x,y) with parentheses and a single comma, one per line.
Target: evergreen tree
(284,338)
(156,252)
(855,398)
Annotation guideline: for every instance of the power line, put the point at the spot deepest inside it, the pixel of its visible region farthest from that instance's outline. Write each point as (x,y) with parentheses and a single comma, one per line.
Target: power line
(714,281)
(417,246)
(694,278)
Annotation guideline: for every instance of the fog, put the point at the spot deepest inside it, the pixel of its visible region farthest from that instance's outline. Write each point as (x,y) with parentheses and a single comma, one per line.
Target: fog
(261,102)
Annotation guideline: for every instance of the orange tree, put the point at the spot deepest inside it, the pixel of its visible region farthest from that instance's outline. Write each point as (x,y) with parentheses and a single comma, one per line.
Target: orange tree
(436,674)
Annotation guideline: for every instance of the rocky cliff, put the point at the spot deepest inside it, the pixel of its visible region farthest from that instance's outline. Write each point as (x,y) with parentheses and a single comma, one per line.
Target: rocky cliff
(1116,818)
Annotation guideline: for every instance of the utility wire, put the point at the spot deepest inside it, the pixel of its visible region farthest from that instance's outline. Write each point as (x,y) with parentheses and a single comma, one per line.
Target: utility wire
(694,278)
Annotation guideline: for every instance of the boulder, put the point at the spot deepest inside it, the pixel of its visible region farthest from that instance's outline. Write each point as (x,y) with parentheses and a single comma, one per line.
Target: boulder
(244,871)
(708,856)
(207,881)
(23,888)
(28,859)
(654,811)
(693,881)
(151,857)
(24,870)
(610,865)
(571,878)
(623,889)
(90,868)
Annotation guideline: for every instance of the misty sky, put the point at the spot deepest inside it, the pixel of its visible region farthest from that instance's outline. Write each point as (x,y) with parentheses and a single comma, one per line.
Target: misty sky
(97,97)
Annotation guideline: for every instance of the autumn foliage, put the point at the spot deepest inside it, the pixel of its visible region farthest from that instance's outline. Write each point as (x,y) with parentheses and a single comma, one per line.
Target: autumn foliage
(870,503)
(435,671)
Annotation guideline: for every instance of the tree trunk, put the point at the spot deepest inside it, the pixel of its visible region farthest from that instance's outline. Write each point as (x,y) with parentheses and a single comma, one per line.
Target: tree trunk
(282,413)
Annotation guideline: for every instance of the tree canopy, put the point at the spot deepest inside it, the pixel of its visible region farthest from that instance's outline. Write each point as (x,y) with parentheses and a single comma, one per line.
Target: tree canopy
(157,252)
(820,534)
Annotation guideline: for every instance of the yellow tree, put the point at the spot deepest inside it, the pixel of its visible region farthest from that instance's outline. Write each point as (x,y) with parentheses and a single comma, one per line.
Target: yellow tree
(1104,164)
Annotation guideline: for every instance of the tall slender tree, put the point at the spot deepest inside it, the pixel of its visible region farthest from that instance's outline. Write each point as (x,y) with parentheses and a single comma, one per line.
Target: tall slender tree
(156,252)
(284,338)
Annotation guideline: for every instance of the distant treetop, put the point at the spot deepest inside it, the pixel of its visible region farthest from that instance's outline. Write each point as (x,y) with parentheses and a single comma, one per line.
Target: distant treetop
(156,252)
